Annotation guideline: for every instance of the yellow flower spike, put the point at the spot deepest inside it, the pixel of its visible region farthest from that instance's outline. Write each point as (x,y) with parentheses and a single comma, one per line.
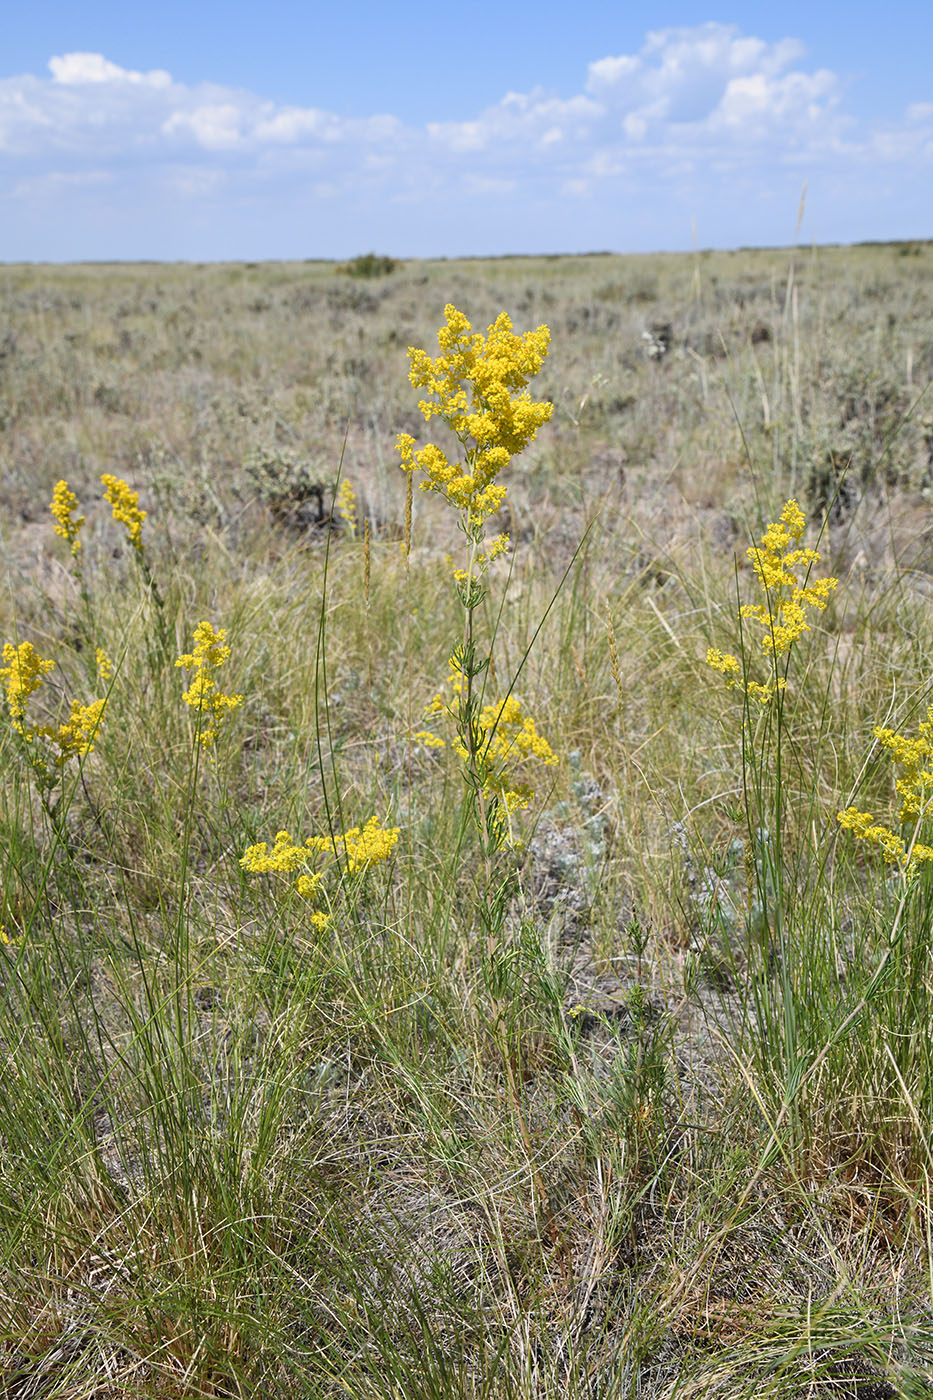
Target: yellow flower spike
(22,675)
(210,653)
(345,505)
(76,736)
(782,615)
(125,504)
(104,664)
(724,662)
(915,789)
(63,505)
(478,387)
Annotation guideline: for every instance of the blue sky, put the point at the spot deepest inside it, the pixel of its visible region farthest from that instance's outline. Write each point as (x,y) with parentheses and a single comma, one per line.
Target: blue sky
(291,130)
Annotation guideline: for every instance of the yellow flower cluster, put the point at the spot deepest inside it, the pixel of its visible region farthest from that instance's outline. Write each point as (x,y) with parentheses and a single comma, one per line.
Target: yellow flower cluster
(63,505)
(75,737)
(104,664)
(358,849)
(478,388)
(22,675)
(915,789)
(781,615)
(125,503)
(6,941)
(507,738)
(284,856)
(345,504)
(210,653)
(494,547)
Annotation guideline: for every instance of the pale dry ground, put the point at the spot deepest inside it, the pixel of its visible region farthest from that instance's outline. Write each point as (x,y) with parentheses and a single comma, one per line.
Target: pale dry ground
(672,1256)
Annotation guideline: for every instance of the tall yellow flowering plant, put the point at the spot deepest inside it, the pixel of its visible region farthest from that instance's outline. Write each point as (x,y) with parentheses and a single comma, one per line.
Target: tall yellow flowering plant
(781,614)
(789,596)
(203,695)
(477,387)
(780,954)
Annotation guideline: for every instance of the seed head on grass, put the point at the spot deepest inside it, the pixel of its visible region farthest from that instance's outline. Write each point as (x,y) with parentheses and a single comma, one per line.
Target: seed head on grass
(64,505)
(209,654)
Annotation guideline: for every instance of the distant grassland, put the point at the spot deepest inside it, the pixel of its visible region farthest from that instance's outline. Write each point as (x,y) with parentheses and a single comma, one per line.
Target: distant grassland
(631,1095)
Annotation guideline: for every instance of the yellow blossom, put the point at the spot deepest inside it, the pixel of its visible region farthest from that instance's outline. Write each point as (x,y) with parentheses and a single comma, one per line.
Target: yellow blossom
(6,941)
(429,740)
(63,506)
(22,675)
(781,616)
(345,504)
(104,664)
(914,757)
(210,653)
(75,737)
(477,387)
(360,846)
(764,693)
(864,826)
(507,742)
(284,855)
(125,503)
(775,562)
(724,662)
(308,885)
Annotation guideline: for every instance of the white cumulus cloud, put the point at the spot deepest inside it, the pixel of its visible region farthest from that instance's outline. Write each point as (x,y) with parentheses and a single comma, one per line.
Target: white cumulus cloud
(76,68)
(691,113)
(215,125)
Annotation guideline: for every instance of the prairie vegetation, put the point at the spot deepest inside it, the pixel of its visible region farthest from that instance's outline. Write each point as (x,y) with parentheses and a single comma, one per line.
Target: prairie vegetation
(340,1059)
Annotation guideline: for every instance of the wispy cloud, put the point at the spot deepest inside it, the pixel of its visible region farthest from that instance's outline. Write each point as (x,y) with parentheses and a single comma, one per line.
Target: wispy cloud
(693,110)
